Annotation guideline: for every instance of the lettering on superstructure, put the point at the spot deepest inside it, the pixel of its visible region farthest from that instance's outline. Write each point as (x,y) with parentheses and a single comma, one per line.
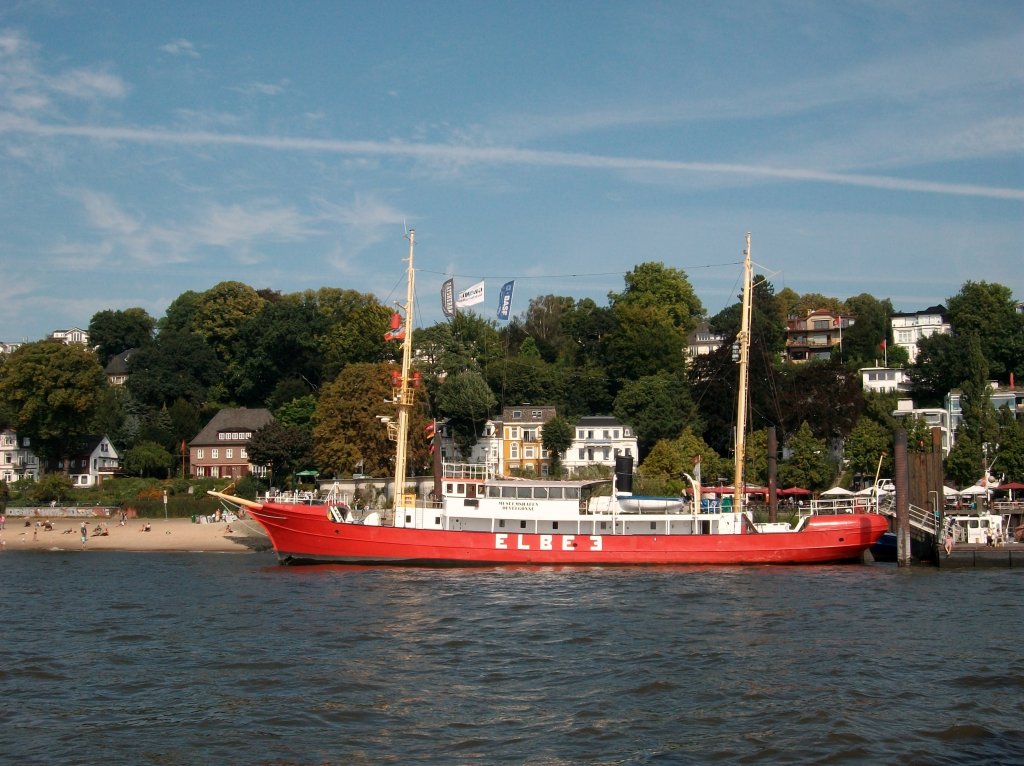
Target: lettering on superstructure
(547,542)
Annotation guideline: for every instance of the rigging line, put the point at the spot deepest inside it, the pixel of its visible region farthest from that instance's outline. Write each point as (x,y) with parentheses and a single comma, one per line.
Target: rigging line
(569,275)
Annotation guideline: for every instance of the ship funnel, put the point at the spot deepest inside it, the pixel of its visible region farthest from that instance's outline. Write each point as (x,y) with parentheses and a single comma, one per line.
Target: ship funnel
(624,474)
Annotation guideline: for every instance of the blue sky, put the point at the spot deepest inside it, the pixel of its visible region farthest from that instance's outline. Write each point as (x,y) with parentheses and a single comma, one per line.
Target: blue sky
(151,148)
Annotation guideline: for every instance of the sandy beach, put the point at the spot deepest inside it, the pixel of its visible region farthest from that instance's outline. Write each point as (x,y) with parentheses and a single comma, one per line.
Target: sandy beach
(245,536)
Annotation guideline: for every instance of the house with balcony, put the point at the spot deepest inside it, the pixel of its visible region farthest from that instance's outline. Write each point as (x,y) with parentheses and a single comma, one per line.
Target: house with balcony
(814,336)
(71,336)
(703,340)
(883,380)
(522,445)
(598,440)
(219,450)
(909,327)
(91,461)
(17,461)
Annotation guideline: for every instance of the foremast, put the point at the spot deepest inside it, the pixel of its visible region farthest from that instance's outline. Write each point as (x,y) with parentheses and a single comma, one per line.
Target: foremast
(405,396)
(743,341)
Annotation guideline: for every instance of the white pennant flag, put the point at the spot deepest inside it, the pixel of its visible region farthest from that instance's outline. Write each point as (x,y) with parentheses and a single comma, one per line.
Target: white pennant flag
(471,296)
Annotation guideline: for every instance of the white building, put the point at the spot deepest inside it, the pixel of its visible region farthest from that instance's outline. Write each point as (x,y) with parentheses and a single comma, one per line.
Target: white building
(703,341)
(17,461)
(599,440)
(909,328)
(71,336)
(884,380)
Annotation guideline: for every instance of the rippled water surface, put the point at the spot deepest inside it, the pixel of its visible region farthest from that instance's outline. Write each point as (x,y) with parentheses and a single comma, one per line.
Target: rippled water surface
(201,658)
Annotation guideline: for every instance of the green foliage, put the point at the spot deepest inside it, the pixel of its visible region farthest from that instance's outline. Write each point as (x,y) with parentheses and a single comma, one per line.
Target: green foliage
(177,365)
(964,462)
(657,407)
(55,390)
(557,437)
(1010,453)
(5,495)
(148,459)
(466,402)
(284,449)
(664,469)
(867,442)
(297,412)
(989,311)
(862,340)
(220,314)
(113,332)
(808,464)
(666,291)
(51,487)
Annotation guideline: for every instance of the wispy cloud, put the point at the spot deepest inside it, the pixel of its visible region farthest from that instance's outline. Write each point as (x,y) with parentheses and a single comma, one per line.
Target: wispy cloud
(180,47)
(497,155)
(263,88)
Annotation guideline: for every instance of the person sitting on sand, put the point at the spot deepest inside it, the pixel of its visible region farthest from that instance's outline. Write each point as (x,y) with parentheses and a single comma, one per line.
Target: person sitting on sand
(146,528)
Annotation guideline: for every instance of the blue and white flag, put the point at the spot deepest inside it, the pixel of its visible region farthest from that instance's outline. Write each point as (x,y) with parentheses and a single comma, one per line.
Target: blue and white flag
(505,300)
(471,296)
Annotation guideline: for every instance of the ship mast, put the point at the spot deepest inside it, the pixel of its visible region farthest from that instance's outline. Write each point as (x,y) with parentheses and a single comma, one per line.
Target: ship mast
(743,341)
(405,395)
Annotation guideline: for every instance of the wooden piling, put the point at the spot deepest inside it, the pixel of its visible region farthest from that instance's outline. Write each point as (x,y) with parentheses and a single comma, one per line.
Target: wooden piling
(902,482)
(773,481)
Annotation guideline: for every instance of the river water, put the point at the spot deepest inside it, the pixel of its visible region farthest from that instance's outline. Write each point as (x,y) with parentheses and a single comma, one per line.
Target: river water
(229,658)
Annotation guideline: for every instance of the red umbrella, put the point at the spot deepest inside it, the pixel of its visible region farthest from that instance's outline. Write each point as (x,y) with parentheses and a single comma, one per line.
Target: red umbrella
(794,492)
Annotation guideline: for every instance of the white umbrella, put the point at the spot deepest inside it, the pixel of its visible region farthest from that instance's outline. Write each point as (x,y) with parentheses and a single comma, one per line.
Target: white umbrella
(977,489)
(950,492)
(864,492)
(837,492)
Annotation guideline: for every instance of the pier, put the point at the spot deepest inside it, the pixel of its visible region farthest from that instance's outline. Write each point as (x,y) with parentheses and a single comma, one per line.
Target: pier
(972,555)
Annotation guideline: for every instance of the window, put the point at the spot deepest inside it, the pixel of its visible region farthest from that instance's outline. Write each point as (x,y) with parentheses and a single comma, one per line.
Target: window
(582,453)
(517,414)
(200,453)
(215,453)
(229,454)
(243,454)
(528,453)
(513,451)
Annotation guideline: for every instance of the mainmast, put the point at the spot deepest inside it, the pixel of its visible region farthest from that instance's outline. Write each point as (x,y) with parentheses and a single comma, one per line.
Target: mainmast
(743,341)
(405,394)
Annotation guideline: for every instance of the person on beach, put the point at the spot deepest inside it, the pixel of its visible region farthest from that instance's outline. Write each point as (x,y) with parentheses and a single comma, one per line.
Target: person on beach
(85,532)
(949,542)
(3,521)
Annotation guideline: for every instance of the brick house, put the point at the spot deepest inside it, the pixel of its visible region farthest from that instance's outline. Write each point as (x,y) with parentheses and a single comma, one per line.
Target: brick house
(219,450)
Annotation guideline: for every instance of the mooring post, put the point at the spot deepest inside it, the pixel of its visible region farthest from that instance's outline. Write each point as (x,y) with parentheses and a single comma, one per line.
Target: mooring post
(902,482)
(773,482)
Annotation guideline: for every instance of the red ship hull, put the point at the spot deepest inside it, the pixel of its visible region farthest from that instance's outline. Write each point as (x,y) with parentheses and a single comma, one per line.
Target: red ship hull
(305,534)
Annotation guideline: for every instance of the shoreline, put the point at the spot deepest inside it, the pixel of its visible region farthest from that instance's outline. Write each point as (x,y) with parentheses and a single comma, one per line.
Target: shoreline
(164,536)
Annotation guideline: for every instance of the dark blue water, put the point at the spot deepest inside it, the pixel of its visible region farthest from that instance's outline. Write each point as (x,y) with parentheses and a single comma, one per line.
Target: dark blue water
(203,658)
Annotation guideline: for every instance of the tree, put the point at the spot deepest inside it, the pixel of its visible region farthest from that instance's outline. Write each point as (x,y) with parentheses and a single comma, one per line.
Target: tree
(645,341)
(177,365)
(662,471)
(51,487)
(557,436)
(990,311)
(279,343)
(867,442)
(465,401)
(220,314)
(964,462)
(657,407)
(808,465)
(112,332)
(348,426)
(351,327)
(298,412)
(544,323)
(861,340)
(148,459)
(979,418)
(285,450)
(666,290)
(1010,453)
(826,394)
(941,365)
(54,391)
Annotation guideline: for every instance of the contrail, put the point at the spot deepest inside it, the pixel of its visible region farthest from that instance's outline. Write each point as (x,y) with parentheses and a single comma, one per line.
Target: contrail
(498,156)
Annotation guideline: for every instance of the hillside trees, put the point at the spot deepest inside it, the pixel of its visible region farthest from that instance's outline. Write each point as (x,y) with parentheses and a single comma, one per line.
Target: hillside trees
(54,391)
(466,401)
(283,449)
(657,407)
(112,332)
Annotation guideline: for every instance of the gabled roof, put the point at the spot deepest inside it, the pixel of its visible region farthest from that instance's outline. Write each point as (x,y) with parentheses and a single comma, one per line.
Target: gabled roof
(232,419)
(118,364)
(940,309)
(86,445)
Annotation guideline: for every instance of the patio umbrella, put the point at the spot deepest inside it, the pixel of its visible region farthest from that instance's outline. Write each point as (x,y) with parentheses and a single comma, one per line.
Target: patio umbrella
(794,492)
(977,489)
(837,492)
